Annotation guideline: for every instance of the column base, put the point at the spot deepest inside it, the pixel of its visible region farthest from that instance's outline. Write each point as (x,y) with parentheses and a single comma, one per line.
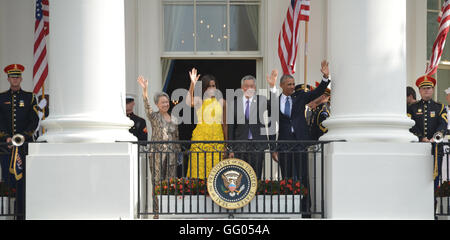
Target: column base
(379,181)
(86,129)
(81,181)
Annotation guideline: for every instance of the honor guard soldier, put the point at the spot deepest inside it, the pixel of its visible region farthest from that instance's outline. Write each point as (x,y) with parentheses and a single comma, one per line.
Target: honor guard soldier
(320,114)
(18,115)
(308,108)
(430,118)
(139,128)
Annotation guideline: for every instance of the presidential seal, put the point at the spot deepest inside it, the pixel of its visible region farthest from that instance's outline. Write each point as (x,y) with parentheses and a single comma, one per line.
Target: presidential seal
(232,184)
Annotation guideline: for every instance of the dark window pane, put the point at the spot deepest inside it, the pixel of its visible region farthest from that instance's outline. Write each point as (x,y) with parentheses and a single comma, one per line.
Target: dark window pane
(433,4)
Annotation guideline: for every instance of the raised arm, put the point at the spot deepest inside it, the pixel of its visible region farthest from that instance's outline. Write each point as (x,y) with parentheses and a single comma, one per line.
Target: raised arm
(190,98)
(310,96)
(144,86)
(272,80)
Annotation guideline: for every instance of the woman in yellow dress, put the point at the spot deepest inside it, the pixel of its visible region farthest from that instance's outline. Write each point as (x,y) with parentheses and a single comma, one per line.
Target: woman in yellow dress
(211,126)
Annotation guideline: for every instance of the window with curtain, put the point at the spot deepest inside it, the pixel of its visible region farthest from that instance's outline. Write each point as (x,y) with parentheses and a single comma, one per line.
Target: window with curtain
(224,26)
(443,74)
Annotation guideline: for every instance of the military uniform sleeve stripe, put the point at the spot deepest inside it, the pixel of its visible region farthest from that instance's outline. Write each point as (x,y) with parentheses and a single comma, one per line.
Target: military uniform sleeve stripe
(36,110)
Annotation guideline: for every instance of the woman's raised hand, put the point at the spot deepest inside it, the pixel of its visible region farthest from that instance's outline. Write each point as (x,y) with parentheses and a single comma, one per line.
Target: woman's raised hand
(143,83)
(194,76)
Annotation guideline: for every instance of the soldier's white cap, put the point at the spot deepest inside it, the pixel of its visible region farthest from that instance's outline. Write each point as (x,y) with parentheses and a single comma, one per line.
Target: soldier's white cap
(129,98)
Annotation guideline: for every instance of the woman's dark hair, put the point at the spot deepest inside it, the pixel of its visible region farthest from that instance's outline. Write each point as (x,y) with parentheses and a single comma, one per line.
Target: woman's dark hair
(206,79)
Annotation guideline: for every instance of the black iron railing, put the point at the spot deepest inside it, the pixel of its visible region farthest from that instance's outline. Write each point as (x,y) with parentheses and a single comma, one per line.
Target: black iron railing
(12,192)
(180,188)
(442,182)
(173,177)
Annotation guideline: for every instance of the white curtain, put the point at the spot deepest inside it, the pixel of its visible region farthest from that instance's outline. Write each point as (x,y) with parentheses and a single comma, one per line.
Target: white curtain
(178,28)
(244,28)
(253,18)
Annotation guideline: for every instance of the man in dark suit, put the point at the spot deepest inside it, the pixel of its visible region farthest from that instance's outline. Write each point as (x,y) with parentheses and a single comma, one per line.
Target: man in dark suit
(292,158)
(291,118)
(247,124)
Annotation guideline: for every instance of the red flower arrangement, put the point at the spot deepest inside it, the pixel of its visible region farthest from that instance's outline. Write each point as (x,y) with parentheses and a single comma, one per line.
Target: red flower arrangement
(181,186)
(283,187)
(185,186)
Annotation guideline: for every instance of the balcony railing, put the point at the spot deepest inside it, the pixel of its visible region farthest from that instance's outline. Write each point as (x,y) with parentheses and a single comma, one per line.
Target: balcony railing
(442,183)
(173,178)
(12,192)
(180,187)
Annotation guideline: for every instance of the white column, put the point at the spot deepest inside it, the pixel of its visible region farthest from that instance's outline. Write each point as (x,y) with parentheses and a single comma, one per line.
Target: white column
(82,172)
(87,69)
(377,173)
(367,49)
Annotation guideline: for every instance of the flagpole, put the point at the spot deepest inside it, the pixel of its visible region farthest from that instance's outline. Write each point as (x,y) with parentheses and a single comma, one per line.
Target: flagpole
(306,56)
(43,110)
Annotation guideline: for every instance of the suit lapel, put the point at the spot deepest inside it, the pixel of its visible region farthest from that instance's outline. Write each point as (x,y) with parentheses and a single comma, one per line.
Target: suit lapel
(254,107)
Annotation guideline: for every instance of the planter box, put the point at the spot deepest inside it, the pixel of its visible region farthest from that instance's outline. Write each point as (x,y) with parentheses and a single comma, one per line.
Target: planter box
(282,204)
(274,204)
(7,208)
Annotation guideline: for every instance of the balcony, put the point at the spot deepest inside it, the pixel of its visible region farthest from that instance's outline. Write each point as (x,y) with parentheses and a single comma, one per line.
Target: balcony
(172,180)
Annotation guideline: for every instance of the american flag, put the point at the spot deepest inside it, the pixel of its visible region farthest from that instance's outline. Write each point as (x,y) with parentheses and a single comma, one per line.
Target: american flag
(41,30)
(439,44)
(289,36)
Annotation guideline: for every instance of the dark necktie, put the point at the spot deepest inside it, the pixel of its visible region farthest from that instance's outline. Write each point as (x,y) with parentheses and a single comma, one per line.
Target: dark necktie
(287,107)
(247,116)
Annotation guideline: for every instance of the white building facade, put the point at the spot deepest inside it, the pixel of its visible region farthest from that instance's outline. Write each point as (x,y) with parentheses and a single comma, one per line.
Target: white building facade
(158,32)
(146,46)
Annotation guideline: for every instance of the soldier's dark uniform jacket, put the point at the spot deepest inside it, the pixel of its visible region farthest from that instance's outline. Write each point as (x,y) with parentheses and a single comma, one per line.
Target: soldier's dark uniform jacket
(430,117)
(140,127)
(18,114)
(320,114)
